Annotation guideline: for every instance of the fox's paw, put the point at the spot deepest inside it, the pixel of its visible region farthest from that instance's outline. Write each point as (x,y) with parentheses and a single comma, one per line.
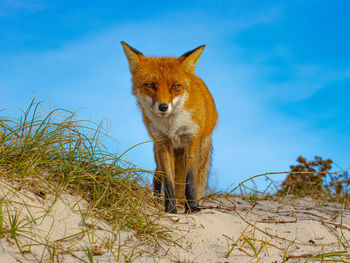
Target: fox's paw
(191,207)
(170,206)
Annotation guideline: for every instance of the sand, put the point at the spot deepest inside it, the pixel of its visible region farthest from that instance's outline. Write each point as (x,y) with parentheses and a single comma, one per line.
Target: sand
(227,229)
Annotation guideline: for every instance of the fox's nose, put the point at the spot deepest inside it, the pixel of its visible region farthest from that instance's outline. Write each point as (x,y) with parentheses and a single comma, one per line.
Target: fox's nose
(163,107)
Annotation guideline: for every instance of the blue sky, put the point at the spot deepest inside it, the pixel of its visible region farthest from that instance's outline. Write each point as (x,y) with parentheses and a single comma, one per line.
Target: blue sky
(279,72)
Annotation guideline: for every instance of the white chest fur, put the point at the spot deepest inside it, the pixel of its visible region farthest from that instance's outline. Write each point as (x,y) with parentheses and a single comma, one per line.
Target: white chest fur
(178,126)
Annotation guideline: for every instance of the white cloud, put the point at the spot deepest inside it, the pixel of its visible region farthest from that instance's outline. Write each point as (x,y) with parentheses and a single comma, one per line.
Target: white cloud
(301,80)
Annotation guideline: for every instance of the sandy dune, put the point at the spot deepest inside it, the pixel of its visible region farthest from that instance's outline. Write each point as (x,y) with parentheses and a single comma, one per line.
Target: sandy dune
(228,229)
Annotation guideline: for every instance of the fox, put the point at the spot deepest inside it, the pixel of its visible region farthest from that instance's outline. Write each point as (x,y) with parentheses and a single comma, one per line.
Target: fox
(180,115)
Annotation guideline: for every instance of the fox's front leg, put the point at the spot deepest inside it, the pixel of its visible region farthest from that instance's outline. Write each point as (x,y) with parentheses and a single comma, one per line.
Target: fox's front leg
(165,155)
(192,169)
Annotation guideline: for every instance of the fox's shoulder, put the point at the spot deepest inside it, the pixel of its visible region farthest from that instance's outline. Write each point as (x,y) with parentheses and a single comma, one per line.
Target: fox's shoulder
(201,104)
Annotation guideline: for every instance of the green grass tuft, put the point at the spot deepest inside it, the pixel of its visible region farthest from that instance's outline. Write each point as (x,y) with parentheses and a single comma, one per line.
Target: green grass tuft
(52,152)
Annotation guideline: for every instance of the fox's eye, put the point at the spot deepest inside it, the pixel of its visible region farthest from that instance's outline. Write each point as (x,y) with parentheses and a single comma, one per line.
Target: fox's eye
(150,86)
(175,86)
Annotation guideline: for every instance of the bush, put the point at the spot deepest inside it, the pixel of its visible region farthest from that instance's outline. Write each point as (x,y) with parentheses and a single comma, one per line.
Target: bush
(314,179)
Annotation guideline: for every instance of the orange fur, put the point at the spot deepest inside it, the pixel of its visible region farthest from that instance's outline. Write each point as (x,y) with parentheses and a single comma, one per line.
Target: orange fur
(180,115)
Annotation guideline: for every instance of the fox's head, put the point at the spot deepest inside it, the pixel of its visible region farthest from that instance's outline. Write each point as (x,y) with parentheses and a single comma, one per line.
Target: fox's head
(161,83)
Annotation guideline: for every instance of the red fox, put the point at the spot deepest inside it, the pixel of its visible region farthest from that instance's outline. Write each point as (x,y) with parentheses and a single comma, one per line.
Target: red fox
(180,115)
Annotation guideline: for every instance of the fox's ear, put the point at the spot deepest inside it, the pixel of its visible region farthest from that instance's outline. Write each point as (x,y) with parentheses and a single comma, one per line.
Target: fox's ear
(189,60)
(133,56)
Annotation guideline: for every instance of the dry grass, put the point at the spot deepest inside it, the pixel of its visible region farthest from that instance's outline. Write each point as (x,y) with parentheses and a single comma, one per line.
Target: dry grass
(325,188)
